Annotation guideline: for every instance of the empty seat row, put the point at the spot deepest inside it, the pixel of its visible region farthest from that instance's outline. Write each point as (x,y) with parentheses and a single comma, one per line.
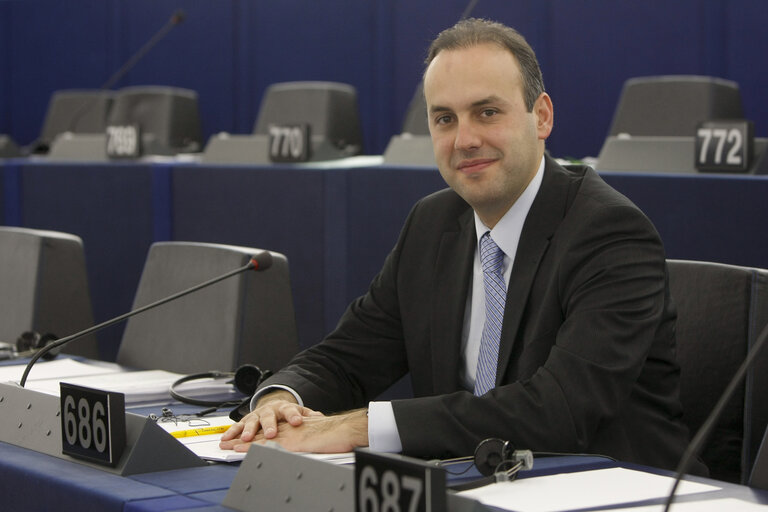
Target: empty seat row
(245,319)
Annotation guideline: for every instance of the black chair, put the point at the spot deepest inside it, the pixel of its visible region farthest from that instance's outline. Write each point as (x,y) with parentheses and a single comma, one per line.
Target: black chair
(8,147)
(329,108)
(168,118)
(245,319)
(413,146)
(44,288)
(415,121)
(656,118)
(721,311)
(673,105)
(79,111)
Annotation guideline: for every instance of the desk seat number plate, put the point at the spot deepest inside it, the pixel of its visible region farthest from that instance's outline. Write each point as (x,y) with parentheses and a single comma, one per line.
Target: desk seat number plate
(92,424)
(724,146)
(394,483)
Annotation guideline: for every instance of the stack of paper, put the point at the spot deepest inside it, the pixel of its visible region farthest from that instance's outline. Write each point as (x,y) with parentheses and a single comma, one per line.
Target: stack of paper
(138,386)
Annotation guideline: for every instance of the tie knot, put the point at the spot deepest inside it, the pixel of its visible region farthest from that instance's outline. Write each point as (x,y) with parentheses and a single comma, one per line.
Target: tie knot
(491,256)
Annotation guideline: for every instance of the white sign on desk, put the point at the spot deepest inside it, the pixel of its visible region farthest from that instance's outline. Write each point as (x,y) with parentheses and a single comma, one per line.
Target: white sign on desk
(586,489)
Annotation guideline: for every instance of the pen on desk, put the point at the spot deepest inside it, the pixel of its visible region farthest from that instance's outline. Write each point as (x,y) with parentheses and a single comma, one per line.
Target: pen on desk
(202,431)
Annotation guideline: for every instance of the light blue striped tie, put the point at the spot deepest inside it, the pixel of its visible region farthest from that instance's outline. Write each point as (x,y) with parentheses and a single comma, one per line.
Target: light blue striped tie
(491,258)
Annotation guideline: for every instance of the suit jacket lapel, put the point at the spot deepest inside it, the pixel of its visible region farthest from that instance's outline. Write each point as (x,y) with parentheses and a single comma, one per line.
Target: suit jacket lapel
(452,277)
(545,215)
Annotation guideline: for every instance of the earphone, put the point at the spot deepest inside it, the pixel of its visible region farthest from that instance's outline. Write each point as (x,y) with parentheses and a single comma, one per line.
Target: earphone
(492,455)
(30,342)
(497,460)
(246,379)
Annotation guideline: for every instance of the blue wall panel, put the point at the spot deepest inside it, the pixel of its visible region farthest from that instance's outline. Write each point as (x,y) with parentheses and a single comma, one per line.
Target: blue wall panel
(746,49)
(198,54)
(596,46)
(231,50)
(256,208)
(53,45)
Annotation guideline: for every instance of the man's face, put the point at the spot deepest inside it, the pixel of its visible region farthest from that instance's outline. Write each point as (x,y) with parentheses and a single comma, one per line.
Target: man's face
(487,145)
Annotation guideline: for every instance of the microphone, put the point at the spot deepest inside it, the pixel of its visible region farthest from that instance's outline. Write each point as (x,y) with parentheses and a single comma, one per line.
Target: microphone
(706,428)
(178,17)
(260,261)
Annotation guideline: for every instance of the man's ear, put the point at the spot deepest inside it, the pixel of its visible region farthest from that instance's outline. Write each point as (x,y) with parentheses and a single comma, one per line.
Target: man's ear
(545,115)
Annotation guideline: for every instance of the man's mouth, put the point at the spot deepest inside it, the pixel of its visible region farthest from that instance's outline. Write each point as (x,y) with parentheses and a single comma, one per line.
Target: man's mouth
(474,165)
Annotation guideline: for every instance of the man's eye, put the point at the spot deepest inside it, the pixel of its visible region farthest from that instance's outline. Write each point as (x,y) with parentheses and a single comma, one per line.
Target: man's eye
(489,112)
(443,120)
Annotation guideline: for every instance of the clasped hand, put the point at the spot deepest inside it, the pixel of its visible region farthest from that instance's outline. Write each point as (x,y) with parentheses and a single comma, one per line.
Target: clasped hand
(277,417)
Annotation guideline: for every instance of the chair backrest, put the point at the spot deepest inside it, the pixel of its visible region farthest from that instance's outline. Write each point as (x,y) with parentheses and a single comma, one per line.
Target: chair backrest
(76,111)
(673,105)
(8,147)
(168,117)
(329,108)
(721,311)
(245,319)
(415,121)
(44,287)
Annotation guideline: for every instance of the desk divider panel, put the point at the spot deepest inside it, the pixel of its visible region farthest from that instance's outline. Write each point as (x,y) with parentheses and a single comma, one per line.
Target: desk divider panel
(31,420)
(271,478)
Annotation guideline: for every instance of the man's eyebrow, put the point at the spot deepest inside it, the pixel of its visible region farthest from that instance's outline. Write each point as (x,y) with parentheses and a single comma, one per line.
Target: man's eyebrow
(479,103)
(486,101)
(437,108)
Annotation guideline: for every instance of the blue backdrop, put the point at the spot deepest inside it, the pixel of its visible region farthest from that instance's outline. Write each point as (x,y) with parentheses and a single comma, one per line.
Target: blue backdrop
(229,51)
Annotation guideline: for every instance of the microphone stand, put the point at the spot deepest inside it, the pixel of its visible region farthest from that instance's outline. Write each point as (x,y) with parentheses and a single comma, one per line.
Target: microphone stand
(253,264)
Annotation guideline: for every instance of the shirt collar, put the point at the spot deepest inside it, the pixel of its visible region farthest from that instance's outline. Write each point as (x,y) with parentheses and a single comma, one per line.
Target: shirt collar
(506,233)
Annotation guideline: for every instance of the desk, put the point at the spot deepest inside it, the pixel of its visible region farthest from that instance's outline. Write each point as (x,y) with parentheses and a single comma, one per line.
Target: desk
(35,481)
(31,481)
(335,225)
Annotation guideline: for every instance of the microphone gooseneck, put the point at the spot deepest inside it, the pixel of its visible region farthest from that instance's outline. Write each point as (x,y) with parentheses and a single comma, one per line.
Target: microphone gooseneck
(177,17)
(260,261)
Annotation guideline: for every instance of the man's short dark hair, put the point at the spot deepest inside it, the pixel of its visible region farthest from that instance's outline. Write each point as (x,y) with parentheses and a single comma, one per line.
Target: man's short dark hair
(474,31)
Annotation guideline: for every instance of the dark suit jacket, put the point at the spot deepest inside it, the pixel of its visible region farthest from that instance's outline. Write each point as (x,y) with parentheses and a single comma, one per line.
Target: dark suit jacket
(587,357)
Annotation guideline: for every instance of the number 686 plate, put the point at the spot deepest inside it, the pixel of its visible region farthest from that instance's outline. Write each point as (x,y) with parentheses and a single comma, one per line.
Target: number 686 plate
(92,424)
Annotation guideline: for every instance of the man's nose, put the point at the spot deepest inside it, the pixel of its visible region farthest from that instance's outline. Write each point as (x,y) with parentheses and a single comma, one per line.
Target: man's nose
(467,137)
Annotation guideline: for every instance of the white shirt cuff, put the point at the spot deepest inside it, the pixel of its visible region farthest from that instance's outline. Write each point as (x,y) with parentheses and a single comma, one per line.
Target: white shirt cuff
(382,428)
(268,389)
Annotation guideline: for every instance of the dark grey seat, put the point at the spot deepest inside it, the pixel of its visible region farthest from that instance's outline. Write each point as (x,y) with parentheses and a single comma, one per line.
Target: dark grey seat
(168,117)
(656,119)
(721,311)
(329,108)
(415,121)
(81,111)
(44,287)
(245,319)
(672,105)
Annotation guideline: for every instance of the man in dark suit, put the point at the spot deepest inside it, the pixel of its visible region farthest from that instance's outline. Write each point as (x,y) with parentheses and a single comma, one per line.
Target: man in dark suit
(564,343)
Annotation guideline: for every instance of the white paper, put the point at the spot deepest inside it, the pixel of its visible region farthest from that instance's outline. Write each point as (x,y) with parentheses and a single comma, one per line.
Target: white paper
(584,489)
(138,386)
(703,505)
(57,369)
(207,446)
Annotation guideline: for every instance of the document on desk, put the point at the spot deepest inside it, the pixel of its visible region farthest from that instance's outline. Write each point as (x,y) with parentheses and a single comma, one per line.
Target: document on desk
(587,489)
(202,436)
(140,386)
(702,505)
(57,369)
